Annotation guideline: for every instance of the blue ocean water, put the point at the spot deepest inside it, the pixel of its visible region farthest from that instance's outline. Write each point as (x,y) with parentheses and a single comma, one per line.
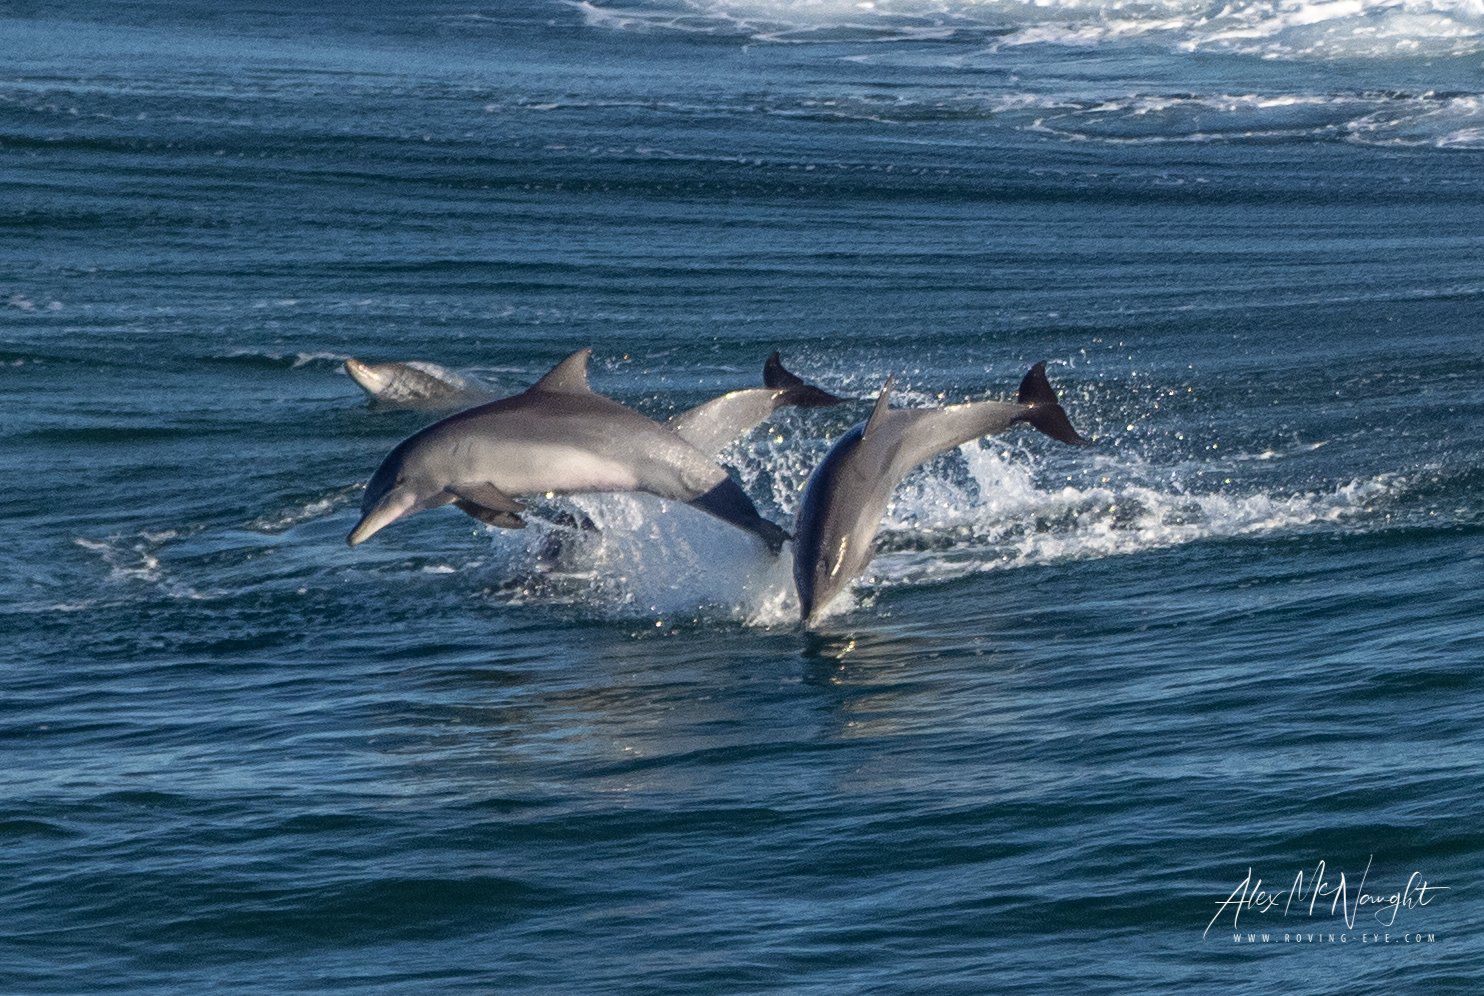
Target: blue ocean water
(1080,694)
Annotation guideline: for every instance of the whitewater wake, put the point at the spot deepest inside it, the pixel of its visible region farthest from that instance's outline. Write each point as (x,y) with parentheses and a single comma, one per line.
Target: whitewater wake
(980,509)
(1000,504)
(1268,29)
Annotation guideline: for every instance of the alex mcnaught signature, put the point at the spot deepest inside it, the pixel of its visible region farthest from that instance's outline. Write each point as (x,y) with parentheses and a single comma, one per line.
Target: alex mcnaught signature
(1309,894)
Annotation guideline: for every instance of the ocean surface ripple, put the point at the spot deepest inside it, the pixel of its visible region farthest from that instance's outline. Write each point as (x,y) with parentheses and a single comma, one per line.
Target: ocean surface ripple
(1076,698)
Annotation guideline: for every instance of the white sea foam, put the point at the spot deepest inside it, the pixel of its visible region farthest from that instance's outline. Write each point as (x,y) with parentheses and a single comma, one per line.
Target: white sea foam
(652,558)
(287,518)
(1272,29)
(1446,120)
(1455,121)
(1006,518)
(134,560)
(21,302)
(1427,118)
(1443,120)
(1268,29)
(988,509)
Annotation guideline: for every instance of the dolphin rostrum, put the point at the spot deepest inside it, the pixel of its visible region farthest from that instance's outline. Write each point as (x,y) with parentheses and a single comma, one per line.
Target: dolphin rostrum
(415,384)
(557,437)
(835,534)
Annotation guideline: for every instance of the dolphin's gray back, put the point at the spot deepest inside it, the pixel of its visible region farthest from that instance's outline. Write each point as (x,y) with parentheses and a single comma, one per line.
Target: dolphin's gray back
(713,426)
(547,426)
(916,435)
(416,384)
(416,380)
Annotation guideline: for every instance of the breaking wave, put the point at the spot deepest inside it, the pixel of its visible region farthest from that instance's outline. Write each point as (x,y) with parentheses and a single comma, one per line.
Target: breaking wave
(1438,118)
(1269,29)
(1442,120)
(321,360)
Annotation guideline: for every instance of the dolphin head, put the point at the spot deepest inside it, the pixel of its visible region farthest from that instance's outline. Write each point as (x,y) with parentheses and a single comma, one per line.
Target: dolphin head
(403,484)
(414,384)
(374,378)
(839,559)
(816,587)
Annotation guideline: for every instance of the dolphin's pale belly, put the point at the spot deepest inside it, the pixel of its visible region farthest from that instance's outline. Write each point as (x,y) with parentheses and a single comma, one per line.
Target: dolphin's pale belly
(817,525)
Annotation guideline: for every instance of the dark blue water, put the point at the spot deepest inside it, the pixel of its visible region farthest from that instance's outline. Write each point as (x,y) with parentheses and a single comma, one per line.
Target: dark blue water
(1078,696)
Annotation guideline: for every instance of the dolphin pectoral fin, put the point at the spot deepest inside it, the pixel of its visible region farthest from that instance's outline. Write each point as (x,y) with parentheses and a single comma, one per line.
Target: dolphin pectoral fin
(489,516)
(729,503)
(1045,412)
(488,504)
(485,495)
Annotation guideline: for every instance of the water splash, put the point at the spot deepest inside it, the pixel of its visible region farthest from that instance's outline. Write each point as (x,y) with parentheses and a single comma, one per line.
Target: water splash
(978,509)
(649,558)
(133,562)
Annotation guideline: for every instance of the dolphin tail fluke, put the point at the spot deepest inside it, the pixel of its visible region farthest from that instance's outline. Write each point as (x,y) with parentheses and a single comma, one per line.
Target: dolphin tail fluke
(715,425)
(1046,413)
(729,503)
(797,391)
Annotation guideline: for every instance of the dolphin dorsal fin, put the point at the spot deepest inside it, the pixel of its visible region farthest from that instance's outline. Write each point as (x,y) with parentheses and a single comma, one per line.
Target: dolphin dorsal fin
(568,376)
(883,405)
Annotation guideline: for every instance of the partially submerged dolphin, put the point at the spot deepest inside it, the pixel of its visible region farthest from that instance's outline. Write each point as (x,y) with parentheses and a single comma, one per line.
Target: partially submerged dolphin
(835,534)
(560,437)
(713,426)
(415,384)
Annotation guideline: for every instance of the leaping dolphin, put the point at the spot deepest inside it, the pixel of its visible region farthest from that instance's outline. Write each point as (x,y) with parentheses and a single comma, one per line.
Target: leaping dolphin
(415,384)
(557,437)
(835,534)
